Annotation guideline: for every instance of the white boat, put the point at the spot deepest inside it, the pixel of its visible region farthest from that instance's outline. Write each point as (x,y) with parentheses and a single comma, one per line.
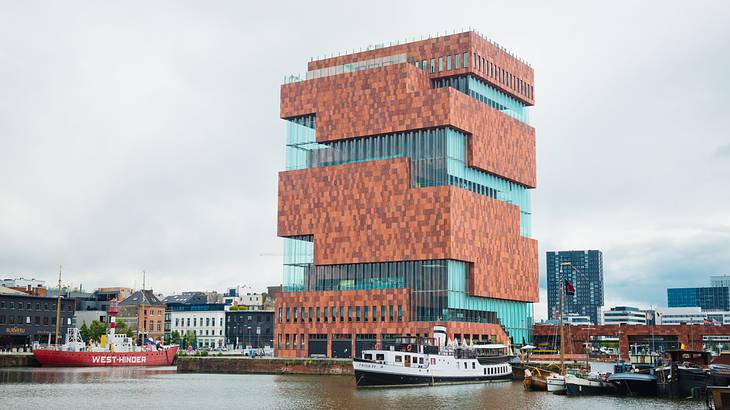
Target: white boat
(591,384)
(556,383)
(421,361)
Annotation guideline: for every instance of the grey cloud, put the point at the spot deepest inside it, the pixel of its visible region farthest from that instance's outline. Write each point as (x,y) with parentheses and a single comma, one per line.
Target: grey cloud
(144,135)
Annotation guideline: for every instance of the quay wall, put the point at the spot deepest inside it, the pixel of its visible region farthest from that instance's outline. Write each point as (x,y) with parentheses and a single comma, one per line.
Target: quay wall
(242,365)
(18,360)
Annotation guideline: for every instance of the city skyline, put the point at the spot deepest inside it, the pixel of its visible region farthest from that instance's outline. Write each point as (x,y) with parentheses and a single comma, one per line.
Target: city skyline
(149,138)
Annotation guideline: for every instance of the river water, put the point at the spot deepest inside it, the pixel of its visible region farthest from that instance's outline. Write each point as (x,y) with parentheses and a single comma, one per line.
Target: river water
(163,388)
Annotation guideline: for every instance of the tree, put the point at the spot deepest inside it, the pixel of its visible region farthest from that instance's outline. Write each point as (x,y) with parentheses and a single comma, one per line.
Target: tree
(189,338)
(84,330)
(124,329)
(175,337)
(96,330)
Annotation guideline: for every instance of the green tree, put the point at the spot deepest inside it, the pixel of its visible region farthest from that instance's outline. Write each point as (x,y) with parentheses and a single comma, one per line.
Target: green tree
(84,330)
(175,337)
(124,329)
(96,330)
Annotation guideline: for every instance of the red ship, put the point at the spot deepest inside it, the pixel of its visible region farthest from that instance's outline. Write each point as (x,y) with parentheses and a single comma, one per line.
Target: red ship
(114,350)
(50,357)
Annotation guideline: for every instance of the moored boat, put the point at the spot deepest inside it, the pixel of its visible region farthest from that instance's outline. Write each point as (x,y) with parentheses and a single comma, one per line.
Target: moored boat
(114,350)
(556,383)
(429,361)
(634,383)
(588,385)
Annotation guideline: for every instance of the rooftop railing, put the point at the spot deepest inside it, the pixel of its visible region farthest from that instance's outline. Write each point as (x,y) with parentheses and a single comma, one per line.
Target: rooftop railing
(424,37)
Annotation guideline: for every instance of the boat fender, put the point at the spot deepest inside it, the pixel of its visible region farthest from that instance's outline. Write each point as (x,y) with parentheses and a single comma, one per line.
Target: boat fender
(409,348)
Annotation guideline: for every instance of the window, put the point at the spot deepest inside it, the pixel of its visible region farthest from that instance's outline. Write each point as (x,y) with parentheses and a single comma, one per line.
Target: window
(279,341)
(473,365)
(301,340)
(296,314)
(365,313)
(382,313)
(380,356)
(349,313)
(465,365)
(333,311)
(294,341)
(433,65)
(325,314)
(311,314)
(375,313)
(286,338)
(280,318)
(368,356)
(448,62)
(466,60)
(357,313)
(342,314)
(423,65)
(287,314)
(456,61)
(420,360)
(317,314)
(400,313)
(390,311)
(398,358)
(417,64)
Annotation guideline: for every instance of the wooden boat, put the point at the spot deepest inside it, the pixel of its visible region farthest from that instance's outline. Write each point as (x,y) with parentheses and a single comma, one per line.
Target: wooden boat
(719,396)
(536,379)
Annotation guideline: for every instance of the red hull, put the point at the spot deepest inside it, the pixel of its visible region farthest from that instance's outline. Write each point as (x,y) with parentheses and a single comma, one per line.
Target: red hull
(164,357)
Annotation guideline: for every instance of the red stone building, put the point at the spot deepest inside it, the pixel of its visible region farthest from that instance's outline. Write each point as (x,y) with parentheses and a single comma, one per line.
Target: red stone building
(406,198)
(636,337)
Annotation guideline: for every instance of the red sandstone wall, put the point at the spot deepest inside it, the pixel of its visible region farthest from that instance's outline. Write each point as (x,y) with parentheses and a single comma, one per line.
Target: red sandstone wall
(367,212)
(443,46)
(375,297)
(400,98)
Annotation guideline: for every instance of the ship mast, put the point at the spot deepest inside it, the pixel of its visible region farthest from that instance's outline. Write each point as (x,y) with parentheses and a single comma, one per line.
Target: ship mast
(58,304)
(141,311)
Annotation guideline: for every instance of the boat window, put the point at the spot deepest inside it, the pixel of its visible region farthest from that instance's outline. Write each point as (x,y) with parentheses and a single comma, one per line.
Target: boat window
(465,366)
(368,356)
(398,359)
(379,356)
(485,370)
(420,360)
(473,365)
(433,361)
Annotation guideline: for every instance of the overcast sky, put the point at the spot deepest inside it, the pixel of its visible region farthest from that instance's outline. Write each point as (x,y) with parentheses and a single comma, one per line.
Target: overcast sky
(146,135)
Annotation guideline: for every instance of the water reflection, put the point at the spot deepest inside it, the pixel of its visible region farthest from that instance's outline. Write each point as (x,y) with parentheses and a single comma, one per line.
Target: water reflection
(164,388)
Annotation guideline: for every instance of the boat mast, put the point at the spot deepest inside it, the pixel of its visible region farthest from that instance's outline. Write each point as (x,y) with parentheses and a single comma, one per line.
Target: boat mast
(58,304)
(141,311)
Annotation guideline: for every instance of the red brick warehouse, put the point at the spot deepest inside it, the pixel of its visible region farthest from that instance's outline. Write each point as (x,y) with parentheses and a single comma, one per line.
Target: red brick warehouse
(406,198)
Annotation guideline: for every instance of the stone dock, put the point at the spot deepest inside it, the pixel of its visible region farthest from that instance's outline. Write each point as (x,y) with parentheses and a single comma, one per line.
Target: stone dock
(18,360)
(243,365)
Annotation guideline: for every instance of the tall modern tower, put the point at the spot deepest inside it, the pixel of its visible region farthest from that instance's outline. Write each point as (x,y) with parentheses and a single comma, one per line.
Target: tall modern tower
(406,198)
(585,272)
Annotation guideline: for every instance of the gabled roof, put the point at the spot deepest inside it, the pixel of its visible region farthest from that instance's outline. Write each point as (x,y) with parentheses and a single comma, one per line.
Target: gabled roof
(140,296)
(186,298)
(8,291)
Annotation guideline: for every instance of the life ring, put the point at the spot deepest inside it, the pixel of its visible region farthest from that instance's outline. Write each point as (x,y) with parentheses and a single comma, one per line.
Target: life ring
(409,347)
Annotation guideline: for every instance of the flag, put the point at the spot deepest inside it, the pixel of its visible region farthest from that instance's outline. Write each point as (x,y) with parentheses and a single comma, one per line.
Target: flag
(569,289)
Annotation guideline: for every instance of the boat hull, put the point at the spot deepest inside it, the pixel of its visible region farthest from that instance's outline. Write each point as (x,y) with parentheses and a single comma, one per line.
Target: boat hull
(369,378)
(556,385)
(591,389)
(59,358)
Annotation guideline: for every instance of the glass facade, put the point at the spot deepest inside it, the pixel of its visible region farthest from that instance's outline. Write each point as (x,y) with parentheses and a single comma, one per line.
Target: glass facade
(586,277)
(437,157)
(481,91)
(707,298)
(438,288)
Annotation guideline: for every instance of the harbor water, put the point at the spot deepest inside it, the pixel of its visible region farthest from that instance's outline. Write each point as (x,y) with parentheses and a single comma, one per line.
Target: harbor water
(164,388)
